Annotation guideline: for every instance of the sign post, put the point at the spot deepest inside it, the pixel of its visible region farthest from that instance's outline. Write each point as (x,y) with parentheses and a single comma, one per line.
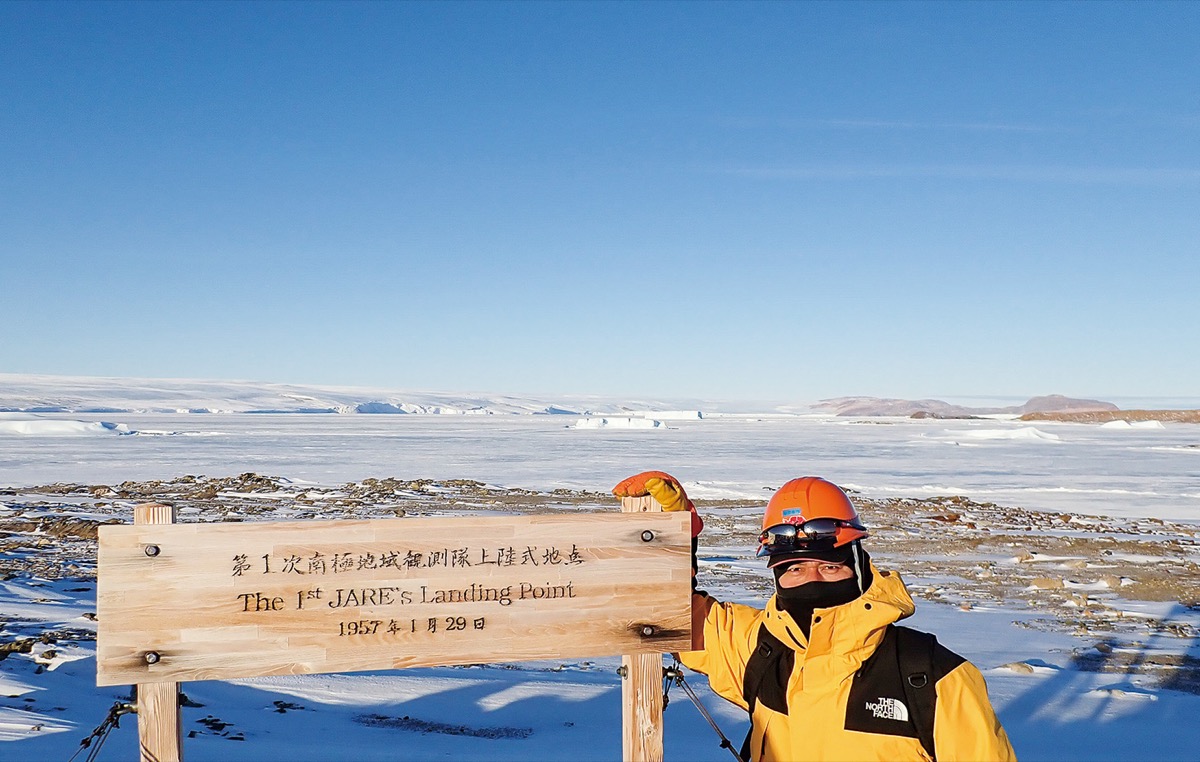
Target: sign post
(642,681)
(160,726)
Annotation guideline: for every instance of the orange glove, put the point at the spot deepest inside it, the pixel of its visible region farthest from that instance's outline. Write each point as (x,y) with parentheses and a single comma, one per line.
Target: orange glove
(664,488)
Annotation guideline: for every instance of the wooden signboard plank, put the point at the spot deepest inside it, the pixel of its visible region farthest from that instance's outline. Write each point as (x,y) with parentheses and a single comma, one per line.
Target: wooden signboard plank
(217,601)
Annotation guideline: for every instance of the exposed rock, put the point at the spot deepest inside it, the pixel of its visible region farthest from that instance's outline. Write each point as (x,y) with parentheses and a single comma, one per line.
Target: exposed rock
(1105,416)
(929,408)
(1047,583)
(22,646)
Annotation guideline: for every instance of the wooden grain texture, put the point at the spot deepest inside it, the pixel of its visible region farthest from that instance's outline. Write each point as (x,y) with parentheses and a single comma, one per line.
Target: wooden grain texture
(642,708)
(219,601)
(642,678)
(160,721)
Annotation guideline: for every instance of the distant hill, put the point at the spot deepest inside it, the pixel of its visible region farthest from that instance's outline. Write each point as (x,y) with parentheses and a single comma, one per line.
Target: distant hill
(1056,403)
(1053,403)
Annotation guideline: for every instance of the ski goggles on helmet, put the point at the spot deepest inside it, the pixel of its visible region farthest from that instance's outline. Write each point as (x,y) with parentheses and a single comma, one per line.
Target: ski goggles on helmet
(814,534)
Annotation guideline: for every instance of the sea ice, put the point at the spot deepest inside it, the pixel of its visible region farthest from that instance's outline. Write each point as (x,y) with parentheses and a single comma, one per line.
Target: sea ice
(618,423)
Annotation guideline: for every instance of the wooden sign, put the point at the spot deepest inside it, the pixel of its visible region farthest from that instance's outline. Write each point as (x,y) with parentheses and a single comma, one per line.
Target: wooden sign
(181,602)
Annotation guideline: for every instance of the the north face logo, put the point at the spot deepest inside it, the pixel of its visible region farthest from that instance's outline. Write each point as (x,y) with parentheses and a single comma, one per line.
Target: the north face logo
(888,709)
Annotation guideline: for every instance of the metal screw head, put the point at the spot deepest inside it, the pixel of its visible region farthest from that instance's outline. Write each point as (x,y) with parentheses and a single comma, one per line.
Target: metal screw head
(647,536)
(152,657)
(153,550)
(648,630)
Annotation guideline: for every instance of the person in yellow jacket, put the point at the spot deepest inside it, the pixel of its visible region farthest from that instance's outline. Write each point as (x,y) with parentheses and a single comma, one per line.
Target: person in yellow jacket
(822,669)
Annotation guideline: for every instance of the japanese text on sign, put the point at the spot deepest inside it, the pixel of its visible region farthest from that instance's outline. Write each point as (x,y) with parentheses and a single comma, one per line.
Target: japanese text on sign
(455,558)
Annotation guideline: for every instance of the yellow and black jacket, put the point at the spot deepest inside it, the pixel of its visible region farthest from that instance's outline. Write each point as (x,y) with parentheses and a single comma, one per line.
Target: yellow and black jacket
(817,702)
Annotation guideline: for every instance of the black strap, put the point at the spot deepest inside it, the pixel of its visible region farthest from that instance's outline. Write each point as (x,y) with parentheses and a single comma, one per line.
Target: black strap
(915,655)
(752,682)
(766,678)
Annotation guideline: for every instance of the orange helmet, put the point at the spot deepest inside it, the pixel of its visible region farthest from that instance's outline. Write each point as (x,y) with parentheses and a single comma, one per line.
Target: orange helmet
(809,513)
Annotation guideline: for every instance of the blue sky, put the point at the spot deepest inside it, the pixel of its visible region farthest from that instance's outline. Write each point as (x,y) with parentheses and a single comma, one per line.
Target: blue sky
(783,201)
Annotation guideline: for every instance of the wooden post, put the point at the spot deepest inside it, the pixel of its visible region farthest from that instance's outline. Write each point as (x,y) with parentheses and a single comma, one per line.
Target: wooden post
(160,725)
(641,684)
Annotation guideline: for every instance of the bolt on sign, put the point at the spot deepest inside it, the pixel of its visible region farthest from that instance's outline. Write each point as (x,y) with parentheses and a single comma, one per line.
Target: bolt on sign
(182,602)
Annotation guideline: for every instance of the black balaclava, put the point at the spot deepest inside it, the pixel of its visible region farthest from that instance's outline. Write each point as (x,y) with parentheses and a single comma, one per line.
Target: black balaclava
(800,602)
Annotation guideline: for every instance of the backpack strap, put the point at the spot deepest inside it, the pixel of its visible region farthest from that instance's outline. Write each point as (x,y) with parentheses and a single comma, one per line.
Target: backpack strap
(766,678)
(914,653)
(923,662)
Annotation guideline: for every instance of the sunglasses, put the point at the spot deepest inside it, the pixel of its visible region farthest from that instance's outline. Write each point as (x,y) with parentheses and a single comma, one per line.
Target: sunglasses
(814,534)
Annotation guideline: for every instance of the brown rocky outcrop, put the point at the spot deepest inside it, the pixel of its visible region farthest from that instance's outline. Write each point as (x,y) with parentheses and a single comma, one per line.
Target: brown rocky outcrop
(1104,416)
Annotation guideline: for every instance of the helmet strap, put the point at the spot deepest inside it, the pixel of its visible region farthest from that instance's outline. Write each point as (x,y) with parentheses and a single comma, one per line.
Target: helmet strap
(854,552)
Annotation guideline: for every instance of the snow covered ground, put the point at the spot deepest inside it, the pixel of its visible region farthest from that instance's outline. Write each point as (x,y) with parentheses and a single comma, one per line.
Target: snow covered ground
(1084,468)
(1060,694)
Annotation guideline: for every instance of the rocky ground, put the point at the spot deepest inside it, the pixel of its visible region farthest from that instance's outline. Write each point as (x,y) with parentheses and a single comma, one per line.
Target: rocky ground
(1105,416)
(1088,575)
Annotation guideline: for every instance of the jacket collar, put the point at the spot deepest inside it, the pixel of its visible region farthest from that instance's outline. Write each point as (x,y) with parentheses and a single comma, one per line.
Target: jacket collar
(851,630)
